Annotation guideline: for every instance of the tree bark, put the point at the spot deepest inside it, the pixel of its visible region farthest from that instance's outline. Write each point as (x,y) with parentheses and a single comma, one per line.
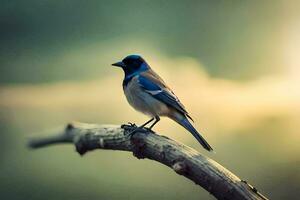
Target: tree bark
(144,143)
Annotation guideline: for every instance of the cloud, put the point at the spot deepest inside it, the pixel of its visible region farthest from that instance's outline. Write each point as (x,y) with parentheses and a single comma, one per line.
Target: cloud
(216,104)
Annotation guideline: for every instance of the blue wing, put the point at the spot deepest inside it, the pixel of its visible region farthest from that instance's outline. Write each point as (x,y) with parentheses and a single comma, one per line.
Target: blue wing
(163,94)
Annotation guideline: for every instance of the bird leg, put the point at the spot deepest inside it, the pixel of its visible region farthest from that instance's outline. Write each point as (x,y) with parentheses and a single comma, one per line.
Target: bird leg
(141,128)
(156,120)
(147,122)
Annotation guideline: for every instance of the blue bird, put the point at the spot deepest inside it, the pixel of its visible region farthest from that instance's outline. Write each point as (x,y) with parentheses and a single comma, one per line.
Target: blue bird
(148,93)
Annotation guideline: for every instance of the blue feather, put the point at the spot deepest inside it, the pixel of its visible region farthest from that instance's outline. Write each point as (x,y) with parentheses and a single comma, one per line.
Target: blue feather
(188,126)
(128,76)
(163,94)
(148,84)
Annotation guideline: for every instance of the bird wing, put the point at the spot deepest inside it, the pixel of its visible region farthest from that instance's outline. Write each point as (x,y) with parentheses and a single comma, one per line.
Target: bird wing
(155,86)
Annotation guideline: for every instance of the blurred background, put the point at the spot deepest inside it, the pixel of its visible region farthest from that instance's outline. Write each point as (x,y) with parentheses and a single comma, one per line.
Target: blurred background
(234,64)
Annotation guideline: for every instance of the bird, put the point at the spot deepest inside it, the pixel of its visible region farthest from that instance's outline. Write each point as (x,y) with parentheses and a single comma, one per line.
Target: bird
(146,92)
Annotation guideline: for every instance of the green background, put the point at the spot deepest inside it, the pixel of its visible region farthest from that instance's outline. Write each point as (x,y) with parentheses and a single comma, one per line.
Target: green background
(49,47)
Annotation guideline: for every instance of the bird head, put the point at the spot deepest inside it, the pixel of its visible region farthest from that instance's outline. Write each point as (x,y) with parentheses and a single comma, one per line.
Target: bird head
(132,64)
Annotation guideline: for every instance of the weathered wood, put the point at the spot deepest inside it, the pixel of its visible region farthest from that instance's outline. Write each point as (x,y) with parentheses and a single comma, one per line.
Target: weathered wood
(184,160)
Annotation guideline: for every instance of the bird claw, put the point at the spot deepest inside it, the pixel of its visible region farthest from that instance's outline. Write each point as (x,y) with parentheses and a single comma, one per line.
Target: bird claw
(132,124)
(132,128)
(129,125)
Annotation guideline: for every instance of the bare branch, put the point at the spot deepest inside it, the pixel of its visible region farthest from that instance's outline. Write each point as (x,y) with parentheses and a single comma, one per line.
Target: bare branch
(184,160)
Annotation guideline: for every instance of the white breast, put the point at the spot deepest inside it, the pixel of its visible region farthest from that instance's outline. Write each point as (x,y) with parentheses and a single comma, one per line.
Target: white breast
(143,101)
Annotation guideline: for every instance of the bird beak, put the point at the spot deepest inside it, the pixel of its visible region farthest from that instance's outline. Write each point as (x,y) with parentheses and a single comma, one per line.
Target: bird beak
(119,64)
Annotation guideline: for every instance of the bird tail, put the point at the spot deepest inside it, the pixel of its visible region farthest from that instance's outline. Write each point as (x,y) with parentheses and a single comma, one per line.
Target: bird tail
(188,126)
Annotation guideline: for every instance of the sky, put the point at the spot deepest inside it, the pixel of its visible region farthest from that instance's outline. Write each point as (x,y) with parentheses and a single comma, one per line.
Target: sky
(233,64)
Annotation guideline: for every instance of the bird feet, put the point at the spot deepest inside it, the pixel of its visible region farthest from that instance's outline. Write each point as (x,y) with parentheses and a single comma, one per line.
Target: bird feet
(128,126)
(132,124)
(131,129)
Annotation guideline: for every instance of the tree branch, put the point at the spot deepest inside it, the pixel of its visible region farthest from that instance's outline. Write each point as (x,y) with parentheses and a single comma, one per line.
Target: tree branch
(184,160)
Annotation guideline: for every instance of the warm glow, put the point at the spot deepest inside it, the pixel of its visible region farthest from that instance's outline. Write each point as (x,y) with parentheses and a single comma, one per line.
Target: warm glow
(216,104)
